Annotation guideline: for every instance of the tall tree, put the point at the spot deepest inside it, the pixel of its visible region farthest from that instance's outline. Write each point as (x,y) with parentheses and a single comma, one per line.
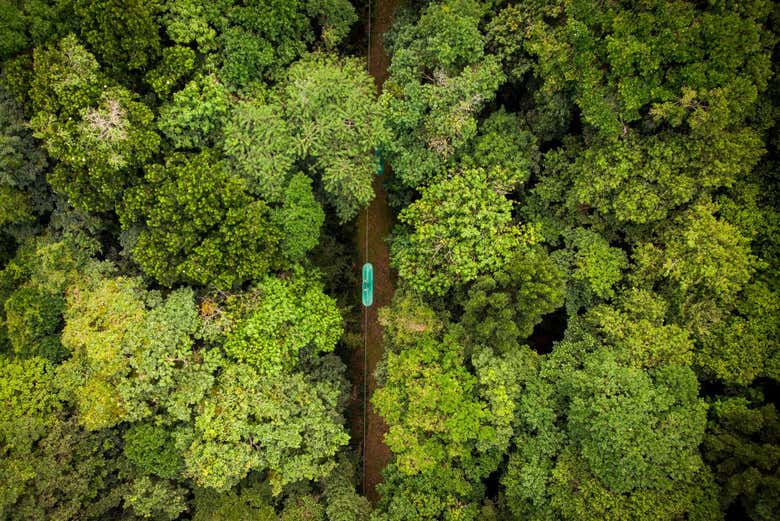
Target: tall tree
(98,131)
(440,78)
(197,223)
(600,439)
(132,353)
(332,113)
(448,429)
(459,229)
(284,424)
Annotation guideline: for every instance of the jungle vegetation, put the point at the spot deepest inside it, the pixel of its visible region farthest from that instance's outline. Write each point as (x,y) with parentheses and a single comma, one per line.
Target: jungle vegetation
(586,324)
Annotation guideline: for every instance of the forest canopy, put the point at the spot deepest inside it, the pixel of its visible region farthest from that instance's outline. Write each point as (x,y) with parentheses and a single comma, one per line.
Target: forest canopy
(585,259)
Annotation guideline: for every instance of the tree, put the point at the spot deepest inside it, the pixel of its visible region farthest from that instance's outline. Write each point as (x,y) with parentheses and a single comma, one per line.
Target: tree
(334,18)
(300,218)
(152,450)
(442,493)
(700,263)
(32,321)
(249,500)
(547,109)
(198,224)
(261,40)
(33,294)
(124,35)
(31,402)
(503,143)
(593,266)
(252,42)
(640,179)
(503,380)
(428,404)
(323,116)
(13,25)
(681,62)
(149,497)
(195,117)
(282,424)
(96,324)
(407,319)
(638,332)
(50,468)
(742,448)
(282,322)
(76,474)
(440,78)
(343,502)
(448,429)
(132,353)
(501,309)
(174,66)
(304,506)
(743,346)
(330,108)
(459,229)
(23,193)
(259,147)
(98,131)
(31,23)
(600,439)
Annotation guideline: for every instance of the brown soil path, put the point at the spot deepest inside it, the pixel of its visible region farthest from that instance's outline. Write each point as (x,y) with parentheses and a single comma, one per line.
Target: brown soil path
(377,220)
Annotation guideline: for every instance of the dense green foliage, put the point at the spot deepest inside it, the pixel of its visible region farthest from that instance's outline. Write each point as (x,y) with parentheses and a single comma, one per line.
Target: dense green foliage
(166,344)
(586,323)
(598,180)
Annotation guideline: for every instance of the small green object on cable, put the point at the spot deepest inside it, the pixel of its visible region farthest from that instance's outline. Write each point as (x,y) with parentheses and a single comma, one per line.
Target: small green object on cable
(380,169)
(368,284)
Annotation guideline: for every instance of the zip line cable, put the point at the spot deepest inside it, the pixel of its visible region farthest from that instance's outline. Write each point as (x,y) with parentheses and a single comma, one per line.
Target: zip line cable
(365,365)
(365,309)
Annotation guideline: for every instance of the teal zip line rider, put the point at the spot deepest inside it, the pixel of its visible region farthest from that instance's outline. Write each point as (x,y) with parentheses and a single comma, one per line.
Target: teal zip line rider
(368,284)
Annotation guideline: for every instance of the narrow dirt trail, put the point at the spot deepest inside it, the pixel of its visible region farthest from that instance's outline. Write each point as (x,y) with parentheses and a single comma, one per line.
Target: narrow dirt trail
(376,222)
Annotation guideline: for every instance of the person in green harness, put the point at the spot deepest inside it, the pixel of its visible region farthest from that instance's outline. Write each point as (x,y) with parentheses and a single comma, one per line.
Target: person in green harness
(368,284)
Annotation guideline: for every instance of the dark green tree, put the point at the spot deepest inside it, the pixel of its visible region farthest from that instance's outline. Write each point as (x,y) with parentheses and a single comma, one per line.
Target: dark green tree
(742,446)
(124,35)
(459,229)
(500,309)
(23,193)
(601,439)
(97,130)
(197,223)
(440,78)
